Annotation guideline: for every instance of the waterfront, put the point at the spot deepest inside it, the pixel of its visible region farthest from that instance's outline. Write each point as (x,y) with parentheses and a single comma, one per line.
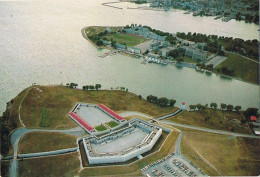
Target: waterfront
(41,43)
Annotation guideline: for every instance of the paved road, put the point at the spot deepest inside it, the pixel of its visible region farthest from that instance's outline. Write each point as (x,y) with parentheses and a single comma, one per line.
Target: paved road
(49,153)
(222,132)
(243,56)
(18,133)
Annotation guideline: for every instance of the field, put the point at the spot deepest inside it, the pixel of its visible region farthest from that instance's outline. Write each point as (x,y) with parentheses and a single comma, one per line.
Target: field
(215,119)
(43,119)
(59,100)
(243,68)
(129,40)
(112,124)
(46,141)
(93,30)
(134,168)
(100,128)
(222,155)
(63,165)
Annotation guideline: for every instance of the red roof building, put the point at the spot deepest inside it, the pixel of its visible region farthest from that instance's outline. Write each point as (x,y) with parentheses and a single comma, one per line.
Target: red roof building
(253,118)
(112,113)
(80,121)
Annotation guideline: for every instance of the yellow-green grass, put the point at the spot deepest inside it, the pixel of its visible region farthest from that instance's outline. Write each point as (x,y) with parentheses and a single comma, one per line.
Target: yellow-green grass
(93,30)
(228,155)
(62,165)
(134,168)
(243,68)
(222,120)
(129,40)
(100,128)
(112,124)
(59,100)
(133,117)
(46,141)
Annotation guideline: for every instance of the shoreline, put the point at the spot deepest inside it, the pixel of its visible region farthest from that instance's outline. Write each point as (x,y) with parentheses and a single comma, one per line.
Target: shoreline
(183,64)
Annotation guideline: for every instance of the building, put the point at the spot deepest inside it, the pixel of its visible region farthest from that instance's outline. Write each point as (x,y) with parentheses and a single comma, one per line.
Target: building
(165,51)
(130,140)
(134,50)
(194,53)
(120,46)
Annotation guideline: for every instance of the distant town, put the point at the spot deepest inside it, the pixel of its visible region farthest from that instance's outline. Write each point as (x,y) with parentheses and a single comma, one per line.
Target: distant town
(204,53)
(222,9)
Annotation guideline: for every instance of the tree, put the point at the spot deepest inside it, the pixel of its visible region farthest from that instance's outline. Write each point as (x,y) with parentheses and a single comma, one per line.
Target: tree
(237,108)
(140,97)
(199,106)
(192,107)
(98,86)
(91,87)
(223,106)
(213,105)
(163,102)
(99,42)
(172,102)
(230,107)
(84,87)
(251,112)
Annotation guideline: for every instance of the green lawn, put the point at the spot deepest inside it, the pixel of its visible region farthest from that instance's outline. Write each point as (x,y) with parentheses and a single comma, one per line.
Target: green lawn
(129,40)
(43,120)
(100,128)
(243,68)
(112,124)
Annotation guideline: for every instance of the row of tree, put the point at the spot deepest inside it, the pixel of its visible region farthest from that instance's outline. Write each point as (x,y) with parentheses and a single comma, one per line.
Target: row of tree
(163,102)
(91,87)
(214,106)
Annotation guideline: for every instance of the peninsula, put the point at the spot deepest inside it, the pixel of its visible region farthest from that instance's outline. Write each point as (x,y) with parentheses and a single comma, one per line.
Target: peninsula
(226,56)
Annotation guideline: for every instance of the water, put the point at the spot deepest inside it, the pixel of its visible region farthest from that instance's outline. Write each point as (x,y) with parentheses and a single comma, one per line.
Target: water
(41,43)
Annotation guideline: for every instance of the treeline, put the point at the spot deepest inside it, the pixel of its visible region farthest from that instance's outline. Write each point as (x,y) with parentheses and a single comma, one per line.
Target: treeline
(91,87)
(212,44)
(163,102)
(204,66)
(97,38)
(247,48)
(7,125)
(229,107)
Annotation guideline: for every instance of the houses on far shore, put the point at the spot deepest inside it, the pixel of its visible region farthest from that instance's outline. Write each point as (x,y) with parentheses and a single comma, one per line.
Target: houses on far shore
(159,47)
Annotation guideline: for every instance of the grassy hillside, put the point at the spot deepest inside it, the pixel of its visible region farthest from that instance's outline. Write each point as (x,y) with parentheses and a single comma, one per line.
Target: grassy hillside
(229,155)
(59,100)
(46,141)
(215,119)
(243,68)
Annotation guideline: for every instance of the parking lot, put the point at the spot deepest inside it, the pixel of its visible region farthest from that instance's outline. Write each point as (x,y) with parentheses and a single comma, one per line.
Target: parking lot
(172,165)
